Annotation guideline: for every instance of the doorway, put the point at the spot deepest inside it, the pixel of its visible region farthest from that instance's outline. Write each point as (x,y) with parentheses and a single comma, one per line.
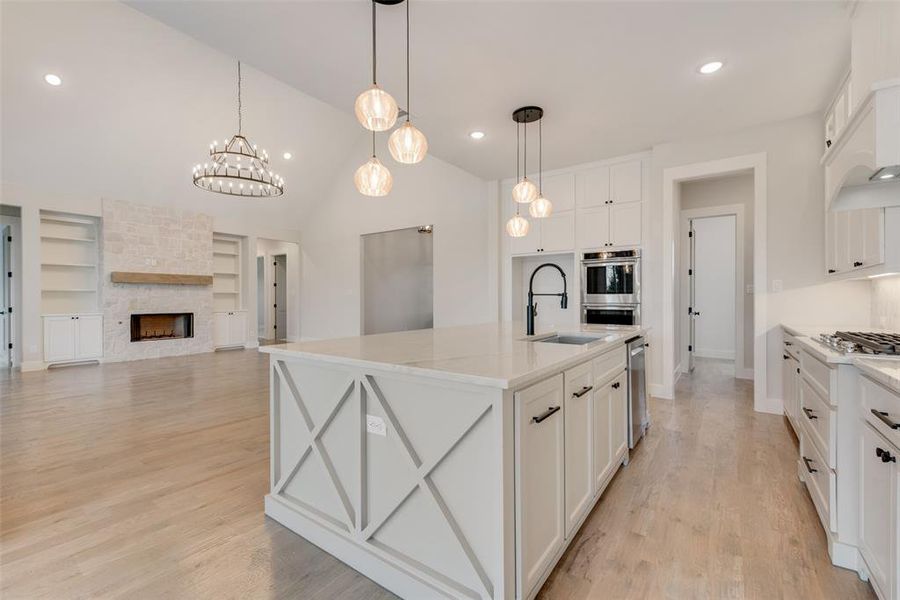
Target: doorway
(261,297)
(712,315)
(6,297)
(279,292)
(10,288)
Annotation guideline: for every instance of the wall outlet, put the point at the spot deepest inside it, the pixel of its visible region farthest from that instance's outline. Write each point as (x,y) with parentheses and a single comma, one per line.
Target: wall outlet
(375,425)
(777,286)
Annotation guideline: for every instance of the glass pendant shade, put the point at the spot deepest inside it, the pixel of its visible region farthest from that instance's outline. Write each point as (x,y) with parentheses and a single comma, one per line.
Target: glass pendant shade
(373,178)
(540,208)
(407,144)
(525,191)
(518,226)
(376,109)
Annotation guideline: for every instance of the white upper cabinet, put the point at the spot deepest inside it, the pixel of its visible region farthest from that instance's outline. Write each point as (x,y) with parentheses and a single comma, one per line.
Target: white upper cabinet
(592,227)
(594,187)
(625,224)
(854,240)
(557,231)
(560,190)
(625,182)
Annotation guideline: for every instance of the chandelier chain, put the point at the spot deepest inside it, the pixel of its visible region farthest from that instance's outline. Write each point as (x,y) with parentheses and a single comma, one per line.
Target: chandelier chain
(239,107)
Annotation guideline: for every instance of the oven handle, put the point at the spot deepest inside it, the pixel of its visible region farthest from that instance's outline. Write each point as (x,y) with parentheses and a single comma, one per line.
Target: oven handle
(601,263)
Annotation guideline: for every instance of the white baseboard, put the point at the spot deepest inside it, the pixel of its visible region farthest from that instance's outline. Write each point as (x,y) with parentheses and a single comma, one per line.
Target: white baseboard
(772,406)
(743,373)
(253,344)
(722,354)
(33,365)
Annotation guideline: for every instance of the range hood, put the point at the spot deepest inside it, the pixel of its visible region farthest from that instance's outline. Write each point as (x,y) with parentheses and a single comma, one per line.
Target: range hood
(863,169)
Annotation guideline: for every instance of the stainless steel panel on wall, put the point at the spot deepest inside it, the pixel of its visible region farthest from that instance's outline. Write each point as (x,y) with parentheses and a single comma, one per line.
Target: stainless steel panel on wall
(397,280)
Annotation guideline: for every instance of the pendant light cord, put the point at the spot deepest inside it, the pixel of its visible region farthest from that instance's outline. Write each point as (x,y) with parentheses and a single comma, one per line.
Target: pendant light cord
(373,144)
(374,51)
(239,98)
(407,60)
(517,163)
(525,154)
(541,157)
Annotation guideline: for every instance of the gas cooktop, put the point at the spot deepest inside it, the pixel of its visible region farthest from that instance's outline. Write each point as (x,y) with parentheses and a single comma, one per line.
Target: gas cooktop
(859,342)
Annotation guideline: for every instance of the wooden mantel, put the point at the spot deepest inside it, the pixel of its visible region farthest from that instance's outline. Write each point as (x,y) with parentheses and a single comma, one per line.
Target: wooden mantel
(164,278)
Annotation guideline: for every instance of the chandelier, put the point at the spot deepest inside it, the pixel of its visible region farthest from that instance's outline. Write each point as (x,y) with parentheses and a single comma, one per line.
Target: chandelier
(236,166)
(525,192)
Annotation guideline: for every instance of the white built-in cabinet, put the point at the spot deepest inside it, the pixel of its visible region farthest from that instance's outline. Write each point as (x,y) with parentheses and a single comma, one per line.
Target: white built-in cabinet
(572,437)
(854,239)
(229,328)
(73,338)
(877,511)
(595,208)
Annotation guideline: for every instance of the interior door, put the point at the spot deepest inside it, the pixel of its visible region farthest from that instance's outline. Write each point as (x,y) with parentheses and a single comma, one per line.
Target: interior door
(280,283)
(5,299)
(692,295)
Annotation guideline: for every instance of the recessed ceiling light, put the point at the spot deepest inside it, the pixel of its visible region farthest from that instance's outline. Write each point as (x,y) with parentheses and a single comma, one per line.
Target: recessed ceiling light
(53,79)
(476,135)
(711,67)
(287,156)
(886,176)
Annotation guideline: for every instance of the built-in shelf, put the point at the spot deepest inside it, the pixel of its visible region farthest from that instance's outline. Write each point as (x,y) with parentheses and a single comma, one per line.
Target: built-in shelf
(225,273)
(72,265)
(217,253)
(226,293)
(67,290)
(63,238)
(227,268)
(70,278)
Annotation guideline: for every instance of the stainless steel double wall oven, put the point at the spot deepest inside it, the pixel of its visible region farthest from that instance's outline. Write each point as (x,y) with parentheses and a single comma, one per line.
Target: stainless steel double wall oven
(611,287)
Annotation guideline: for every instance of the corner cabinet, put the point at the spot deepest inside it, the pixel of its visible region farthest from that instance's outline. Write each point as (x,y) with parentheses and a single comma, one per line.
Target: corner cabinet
(229,329)
(571,438)
(73,338)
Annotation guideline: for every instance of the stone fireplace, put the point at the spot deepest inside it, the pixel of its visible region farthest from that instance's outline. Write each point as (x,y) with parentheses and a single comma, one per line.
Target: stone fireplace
(161,326)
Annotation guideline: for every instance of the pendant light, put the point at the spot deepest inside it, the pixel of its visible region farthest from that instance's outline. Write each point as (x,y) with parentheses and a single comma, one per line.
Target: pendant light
(375,109)
(238,168)
(407,144)
(525,191)
(541,208)
(373,178)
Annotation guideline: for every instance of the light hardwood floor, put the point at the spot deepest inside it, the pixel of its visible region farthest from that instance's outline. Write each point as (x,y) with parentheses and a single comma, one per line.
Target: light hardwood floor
(146,479)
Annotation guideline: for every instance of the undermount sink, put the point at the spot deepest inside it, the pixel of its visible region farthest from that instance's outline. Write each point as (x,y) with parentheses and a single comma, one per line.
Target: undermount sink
(573,339)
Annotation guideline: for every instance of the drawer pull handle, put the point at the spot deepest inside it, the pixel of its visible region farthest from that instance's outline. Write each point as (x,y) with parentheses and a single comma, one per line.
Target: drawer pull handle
(616,385)
(789,343)
(785,356)
(885,419)
(885,456)
(809,468)
(809,414)
(546,414)
(583,391)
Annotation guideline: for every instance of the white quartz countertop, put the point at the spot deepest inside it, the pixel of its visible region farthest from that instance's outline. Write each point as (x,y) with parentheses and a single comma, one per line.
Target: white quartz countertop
(883,370)
(493,354)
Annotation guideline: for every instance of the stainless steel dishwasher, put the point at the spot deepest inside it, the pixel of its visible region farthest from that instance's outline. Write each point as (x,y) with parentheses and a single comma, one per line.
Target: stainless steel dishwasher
(638,419)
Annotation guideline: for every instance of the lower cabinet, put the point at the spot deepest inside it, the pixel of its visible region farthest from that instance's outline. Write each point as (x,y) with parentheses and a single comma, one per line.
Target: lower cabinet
(878,510)
(540,495)
(579,387)
(790,376)
(72,338)
(229,328)
(618,423)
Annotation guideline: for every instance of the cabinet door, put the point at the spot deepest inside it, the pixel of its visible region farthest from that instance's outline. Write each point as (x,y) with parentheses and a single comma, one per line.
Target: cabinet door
(602,444)
(593,227)
(89,336)
(625,224)
(528,243)
(237,328)
(541,504)
(579,477)
(557,232)
(794,400)
(842,241)
(560,190)
(787,384)
(625,182)
(872,237)
(831,265)
(875,507)
(221,329)
(59,338)
(619,417)
(856,245)
(593,187)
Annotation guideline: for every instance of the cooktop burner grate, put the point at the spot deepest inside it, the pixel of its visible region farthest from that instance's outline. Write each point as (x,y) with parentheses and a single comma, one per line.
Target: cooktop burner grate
(883,343)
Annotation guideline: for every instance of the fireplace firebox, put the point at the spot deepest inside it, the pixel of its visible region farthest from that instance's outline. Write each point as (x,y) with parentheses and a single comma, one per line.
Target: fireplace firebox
(161,326)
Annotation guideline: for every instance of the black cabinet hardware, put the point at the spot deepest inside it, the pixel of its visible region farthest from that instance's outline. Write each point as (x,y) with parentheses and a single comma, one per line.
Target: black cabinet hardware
(857,264)
(832,270)
(806,461)
(885,419)
(616,385)
(885,456)
(809,414)
(798,370)
(545,415)
(785,356)
(583,391)
(789,343)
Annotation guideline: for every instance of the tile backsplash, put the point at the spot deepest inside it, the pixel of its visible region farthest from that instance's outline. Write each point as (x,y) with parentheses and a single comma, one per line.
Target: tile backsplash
(886,303)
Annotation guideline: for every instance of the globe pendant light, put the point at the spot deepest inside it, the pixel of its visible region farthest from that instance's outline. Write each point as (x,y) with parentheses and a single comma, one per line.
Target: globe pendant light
(373,178)
(238,168)
(407,144)
(541,208)
(518,226)
(524,192)
(375,109)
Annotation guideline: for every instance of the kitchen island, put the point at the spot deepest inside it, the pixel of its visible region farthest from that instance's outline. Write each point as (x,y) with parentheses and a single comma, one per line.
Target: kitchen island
(454,462)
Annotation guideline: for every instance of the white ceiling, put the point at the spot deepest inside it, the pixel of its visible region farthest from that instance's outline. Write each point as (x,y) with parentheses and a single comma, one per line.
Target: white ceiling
(613,77)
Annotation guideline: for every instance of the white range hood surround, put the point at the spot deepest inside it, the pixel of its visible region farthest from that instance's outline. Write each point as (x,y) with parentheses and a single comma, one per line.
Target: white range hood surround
(870,142)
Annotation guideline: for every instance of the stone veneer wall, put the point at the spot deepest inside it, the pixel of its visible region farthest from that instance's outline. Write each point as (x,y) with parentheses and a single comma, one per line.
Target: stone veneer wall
(152,239)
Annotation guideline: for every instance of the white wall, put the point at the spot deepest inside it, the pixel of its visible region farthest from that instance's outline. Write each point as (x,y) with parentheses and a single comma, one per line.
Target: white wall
(729,190)
(547,281)
(432,192)
(795,234)
(268,249)
(714,277)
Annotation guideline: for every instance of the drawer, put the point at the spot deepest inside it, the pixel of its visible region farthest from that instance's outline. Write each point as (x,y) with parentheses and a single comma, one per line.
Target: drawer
(821,482)
(876,397)
(578,380)
(820,421)
(817,373)
(609,365)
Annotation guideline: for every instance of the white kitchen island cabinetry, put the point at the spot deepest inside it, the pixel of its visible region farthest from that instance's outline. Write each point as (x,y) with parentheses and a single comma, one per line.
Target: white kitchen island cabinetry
(456,462)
